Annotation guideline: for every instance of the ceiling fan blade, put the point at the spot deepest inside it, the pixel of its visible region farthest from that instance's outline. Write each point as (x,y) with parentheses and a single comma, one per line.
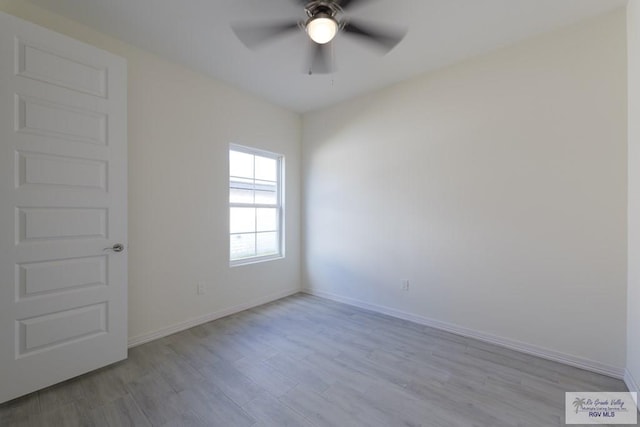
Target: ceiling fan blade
(383,38)
(253,36)
(320,62)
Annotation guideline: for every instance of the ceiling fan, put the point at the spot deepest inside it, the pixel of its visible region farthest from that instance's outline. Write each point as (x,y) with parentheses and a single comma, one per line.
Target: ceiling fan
(325,19)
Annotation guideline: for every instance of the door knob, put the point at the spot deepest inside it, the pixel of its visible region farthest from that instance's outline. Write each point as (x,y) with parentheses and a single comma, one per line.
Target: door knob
(118,247)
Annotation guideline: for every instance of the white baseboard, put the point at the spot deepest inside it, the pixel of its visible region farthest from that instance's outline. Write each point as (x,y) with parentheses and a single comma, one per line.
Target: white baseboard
(160,333)
(578,362)
(631,383)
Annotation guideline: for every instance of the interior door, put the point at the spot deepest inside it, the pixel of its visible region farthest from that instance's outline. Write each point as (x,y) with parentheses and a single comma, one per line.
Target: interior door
(63,287)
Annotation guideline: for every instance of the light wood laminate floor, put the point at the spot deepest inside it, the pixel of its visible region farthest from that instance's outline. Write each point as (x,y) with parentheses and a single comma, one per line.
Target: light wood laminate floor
(306,361)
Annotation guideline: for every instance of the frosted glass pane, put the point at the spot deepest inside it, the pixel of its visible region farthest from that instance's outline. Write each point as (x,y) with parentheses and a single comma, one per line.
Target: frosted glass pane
(241,164)
(266,168)
(267,244)
(240,196)
(266,197)
(267,219)
(243,245)
(242,220)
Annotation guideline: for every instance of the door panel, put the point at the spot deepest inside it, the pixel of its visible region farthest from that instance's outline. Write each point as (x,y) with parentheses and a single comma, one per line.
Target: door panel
(48,277)
(63,197)
(40,63)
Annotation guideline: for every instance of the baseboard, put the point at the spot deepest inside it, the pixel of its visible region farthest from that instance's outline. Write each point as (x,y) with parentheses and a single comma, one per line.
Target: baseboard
(160,333)
(578,362)
(631,383)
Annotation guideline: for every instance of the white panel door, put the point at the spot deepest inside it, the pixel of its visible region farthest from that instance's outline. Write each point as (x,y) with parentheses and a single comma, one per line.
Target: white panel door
(63,199)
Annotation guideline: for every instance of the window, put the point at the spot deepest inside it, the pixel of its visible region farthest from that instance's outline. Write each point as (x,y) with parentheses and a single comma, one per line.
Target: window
(255,205)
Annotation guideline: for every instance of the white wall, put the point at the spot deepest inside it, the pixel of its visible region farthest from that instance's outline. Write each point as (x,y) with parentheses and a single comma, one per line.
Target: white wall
(496,186)
(180,125)
(633,293)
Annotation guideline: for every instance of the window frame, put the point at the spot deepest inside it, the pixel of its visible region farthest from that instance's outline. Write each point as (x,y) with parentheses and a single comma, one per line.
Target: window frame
(279,205)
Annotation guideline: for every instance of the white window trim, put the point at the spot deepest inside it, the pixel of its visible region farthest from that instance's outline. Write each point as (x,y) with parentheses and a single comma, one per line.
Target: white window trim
(280,206)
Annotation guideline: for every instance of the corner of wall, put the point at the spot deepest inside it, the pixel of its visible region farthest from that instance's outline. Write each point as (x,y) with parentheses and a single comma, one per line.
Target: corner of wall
(632,371)
(631,382)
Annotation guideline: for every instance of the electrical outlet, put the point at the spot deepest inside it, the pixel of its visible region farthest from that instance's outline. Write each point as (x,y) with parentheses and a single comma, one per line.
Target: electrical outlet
(201,288)
(405,285)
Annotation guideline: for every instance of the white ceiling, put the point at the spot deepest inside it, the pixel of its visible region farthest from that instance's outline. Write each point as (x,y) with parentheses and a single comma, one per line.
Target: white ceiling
(197,34)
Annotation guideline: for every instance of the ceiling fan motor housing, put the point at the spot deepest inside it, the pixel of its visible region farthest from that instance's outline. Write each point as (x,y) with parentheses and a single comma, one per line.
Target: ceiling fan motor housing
(316,7)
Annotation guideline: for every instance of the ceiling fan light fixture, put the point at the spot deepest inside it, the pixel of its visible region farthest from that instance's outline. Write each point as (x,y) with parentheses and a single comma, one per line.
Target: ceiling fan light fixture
(322,28)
